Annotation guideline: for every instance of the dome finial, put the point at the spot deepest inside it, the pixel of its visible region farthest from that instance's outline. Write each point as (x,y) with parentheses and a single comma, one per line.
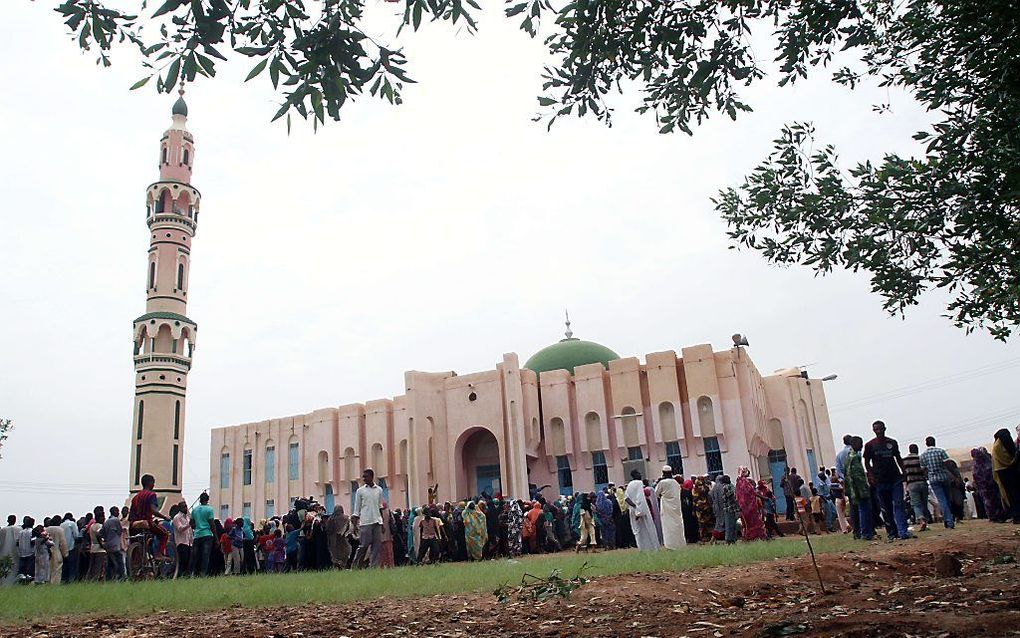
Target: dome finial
(569,333)
(180,106)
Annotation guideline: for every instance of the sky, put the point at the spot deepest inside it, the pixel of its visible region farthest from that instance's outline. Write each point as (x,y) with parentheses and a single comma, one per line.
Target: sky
(436,235)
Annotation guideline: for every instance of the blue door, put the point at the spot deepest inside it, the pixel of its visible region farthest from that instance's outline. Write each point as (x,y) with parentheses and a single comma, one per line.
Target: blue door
(812,465)
(777,467)
(329,500)
(488,480)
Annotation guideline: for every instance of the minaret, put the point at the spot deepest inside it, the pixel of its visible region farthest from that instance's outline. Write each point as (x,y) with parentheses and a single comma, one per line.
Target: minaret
(164,337)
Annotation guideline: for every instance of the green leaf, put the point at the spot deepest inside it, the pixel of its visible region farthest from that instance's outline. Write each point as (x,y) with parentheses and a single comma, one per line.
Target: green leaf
(171,75)
(168,6)
(258,68)
(140,83)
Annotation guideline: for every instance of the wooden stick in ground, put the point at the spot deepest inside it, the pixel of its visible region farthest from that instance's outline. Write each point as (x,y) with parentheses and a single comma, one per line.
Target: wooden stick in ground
(807,537)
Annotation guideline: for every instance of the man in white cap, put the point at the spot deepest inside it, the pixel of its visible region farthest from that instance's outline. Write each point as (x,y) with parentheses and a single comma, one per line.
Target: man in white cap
(670,509)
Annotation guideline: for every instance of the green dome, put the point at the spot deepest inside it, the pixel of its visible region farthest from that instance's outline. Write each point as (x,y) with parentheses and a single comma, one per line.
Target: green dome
(180,107)
(568,354)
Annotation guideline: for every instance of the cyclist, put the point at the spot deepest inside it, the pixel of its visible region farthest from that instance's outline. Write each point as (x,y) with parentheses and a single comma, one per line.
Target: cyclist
(144,508)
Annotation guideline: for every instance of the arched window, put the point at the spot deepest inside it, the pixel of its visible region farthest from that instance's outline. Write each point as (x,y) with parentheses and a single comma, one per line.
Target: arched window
(293,460)
(630,427)
(152,275)
(163,203)
(402,462)
(350,472)
(270,462)
(774,432)
(224,469)
(379,460)
(593,430)
(165,152)
(667,421)
(177,419)
(180,276)
(557,444)
(323,466)
(186,157)
(706,417)
(141,416)
(246,467)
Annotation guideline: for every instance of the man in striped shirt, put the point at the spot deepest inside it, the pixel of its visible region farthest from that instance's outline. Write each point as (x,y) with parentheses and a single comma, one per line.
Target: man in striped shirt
(917,487)
(933,460)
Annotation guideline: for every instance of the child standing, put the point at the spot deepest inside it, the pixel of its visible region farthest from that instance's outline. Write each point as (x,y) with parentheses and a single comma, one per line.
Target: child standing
(291,545)
(818,512)
(41,544)
(279,554)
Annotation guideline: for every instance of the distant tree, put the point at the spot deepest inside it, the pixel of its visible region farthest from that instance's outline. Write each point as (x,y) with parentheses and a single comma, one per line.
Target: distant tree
(946,220)
(6,425)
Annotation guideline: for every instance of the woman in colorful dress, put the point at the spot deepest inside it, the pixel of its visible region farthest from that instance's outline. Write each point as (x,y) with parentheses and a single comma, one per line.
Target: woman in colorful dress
(476,533)
(750,506)
(703,509)
(514,524)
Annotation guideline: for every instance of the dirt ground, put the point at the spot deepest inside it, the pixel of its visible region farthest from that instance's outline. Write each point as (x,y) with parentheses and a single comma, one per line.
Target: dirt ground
(903,589)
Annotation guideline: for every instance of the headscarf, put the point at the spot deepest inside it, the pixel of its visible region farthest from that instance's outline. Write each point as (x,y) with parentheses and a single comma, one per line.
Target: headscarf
(1003,457)
(603,505)
(743,471)
(337,522)
(689,485)
(621,498)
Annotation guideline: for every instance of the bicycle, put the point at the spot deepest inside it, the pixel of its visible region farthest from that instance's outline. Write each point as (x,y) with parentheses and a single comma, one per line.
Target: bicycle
(143,563)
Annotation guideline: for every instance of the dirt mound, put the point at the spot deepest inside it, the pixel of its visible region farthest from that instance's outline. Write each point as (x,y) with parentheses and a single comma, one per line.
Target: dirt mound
(878,590)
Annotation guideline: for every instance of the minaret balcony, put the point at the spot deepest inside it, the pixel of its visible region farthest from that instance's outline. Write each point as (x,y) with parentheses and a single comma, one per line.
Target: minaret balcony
(161,359)
(180,218)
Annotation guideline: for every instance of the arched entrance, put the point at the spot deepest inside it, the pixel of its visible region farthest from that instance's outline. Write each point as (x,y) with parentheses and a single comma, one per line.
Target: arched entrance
(478,453)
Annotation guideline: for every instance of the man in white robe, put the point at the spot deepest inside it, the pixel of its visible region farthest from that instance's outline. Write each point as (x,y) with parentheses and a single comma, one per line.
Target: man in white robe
(640,515)
(670,510)
(9,548)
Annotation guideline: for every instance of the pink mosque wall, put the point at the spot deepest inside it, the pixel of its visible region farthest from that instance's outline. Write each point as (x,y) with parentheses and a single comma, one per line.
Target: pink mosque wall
(437,433)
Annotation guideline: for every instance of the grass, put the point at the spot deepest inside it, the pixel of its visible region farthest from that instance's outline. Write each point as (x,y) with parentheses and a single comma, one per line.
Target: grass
(20,604)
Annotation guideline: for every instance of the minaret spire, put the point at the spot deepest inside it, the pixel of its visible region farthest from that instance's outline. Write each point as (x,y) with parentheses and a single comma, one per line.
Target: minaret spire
(569,333)
(164,337)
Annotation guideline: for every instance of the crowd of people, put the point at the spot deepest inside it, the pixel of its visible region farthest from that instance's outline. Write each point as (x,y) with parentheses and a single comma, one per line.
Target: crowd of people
(870,486)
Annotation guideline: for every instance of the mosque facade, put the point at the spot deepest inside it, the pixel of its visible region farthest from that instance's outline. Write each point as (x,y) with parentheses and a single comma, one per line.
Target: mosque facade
(575,417)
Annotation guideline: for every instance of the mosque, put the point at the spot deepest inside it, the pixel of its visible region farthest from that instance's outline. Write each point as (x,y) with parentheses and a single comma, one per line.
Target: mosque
(575,417)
